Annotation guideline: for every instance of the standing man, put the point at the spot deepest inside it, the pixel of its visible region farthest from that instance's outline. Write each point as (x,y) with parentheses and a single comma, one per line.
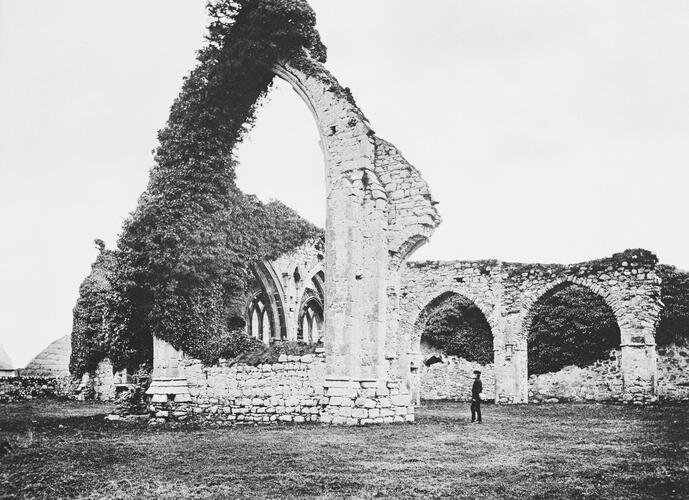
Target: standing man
(476,391)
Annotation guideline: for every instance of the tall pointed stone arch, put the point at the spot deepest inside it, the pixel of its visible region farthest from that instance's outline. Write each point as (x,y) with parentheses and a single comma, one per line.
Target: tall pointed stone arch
(378,211)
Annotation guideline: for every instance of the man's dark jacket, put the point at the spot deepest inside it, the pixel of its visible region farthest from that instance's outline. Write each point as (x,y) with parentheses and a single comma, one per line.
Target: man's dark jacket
(476,390)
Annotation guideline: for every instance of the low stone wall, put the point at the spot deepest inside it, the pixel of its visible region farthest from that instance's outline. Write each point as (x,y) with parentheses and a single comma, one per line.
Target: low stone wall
(601,381)
(290,390)
(294,389)
(365,402)
(453,379)
(15,389)
(673,373)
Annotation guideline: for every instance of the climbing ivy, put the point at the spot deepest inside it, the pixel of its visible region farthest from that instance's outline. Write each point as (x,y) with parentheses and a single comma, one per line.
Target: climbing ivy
(674,318)
(572,326)
(458,328)
(182,260)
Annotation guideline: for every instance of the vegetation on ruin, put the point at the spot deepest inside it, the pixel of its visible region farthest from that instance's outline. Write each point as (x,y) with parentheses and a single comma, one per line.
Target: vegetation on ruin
(674,318)
(572,326)
(563,451)
(181,267)
(458,328)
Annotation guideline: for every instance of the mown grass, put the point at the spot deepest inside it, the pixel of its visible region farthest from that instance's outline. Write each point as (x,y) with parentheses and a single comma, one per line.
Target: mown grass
(540,452)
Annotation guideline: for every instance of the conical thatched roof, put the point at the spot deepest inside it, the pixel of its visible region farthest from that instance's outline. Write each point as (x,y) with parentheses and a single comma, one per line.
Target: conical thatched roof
(5,361)
(53,361)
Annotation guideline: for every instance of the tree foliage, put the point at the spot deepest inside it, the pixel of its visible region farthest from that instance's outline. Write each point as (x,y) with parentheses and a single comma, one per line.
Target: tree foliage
(458,328)
(183,257)
(572,326)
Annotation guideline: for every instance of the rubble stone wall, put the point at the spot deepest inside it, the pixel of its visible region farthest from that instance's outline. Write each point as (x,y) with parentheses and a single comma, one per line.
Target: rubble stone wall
(601,381)
(673,373)
(294,389)
(452,380)
(13,389)
(507,292)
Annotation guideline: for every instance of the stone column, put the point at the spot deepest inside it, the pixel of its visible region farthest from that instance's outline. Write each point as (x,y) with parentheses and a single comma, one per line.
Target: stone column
(168,381)
(638,366)
(510,357)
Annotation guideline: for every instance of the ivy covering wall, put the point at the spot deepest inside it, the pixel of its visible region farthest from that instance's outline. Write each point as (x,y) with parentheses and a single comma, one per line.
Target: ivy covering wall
(458,328)
(573,326)
(183,256)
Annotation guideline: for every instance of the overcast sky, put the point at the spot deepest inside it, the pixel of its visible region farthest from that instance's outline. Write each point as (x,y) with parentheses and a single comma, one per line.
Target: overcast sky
(549,131)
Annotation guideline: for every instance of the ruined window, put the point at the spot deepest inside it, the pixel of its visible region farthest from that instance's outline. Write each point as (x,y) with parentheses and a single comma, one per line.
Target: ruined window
(259,321)
(310,326)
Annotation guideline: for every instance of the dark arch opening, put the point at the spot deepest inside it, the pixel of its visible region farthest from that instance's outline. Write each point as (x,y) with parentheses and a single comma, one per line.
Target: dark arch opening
(455,326)
(571,325)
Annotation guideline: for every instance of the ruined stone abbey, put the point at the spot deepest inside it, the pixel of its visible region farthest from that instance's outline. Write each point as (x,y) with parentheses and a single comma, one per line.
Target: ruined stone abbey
(367,304)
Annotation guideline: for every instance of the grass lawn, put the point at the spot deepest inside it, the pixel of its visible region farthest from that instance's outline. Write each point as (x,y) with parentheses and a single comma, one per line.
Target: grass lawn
(548,452)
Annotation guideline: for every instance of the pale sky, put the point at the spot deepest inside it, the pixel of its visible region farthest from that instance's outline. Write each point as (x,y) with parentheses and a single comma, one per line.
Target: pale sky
(549,130)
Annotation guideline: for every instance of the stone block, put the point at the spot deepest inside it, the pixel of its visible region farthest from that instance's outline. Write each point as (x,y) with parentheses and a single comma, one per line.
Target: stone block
(365,403)
(400,399)
(359,413)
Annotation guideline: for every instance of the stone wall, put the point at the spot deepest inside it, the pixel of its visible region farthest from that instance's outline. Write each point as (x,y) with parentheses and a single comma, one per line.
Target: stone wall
(294,389)
(673,373)
(100,385)
(507,292)
(601,381)
(290,390)
(13,389)
(453,379)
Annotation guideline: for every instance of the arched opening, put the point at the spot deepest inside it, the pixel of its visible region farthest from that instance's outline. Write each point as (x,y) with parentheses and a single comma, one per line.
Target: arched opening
(259,324)
(455,339)
(280,158)
(310,318)
(573,344)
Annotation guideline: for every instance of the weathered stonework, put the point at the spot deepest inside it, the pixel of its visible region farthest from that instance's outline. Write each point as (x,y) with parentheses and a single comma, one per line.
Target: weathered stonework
(294,389)
(601,381)
(452,380)
(673,373)
(378,211)
(13,389)
(506,294)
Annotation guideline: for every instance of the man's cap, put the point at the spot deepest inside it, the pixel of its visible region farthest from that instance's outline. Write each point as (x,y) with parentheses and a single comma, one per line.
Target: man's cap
(477,372)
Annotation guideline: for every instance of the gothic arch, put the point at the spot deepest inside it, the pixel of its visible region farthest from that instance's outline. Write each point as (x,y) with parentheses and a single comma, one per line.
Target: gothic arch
(431,305)
(310,319)
(274,295)
(560,284)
